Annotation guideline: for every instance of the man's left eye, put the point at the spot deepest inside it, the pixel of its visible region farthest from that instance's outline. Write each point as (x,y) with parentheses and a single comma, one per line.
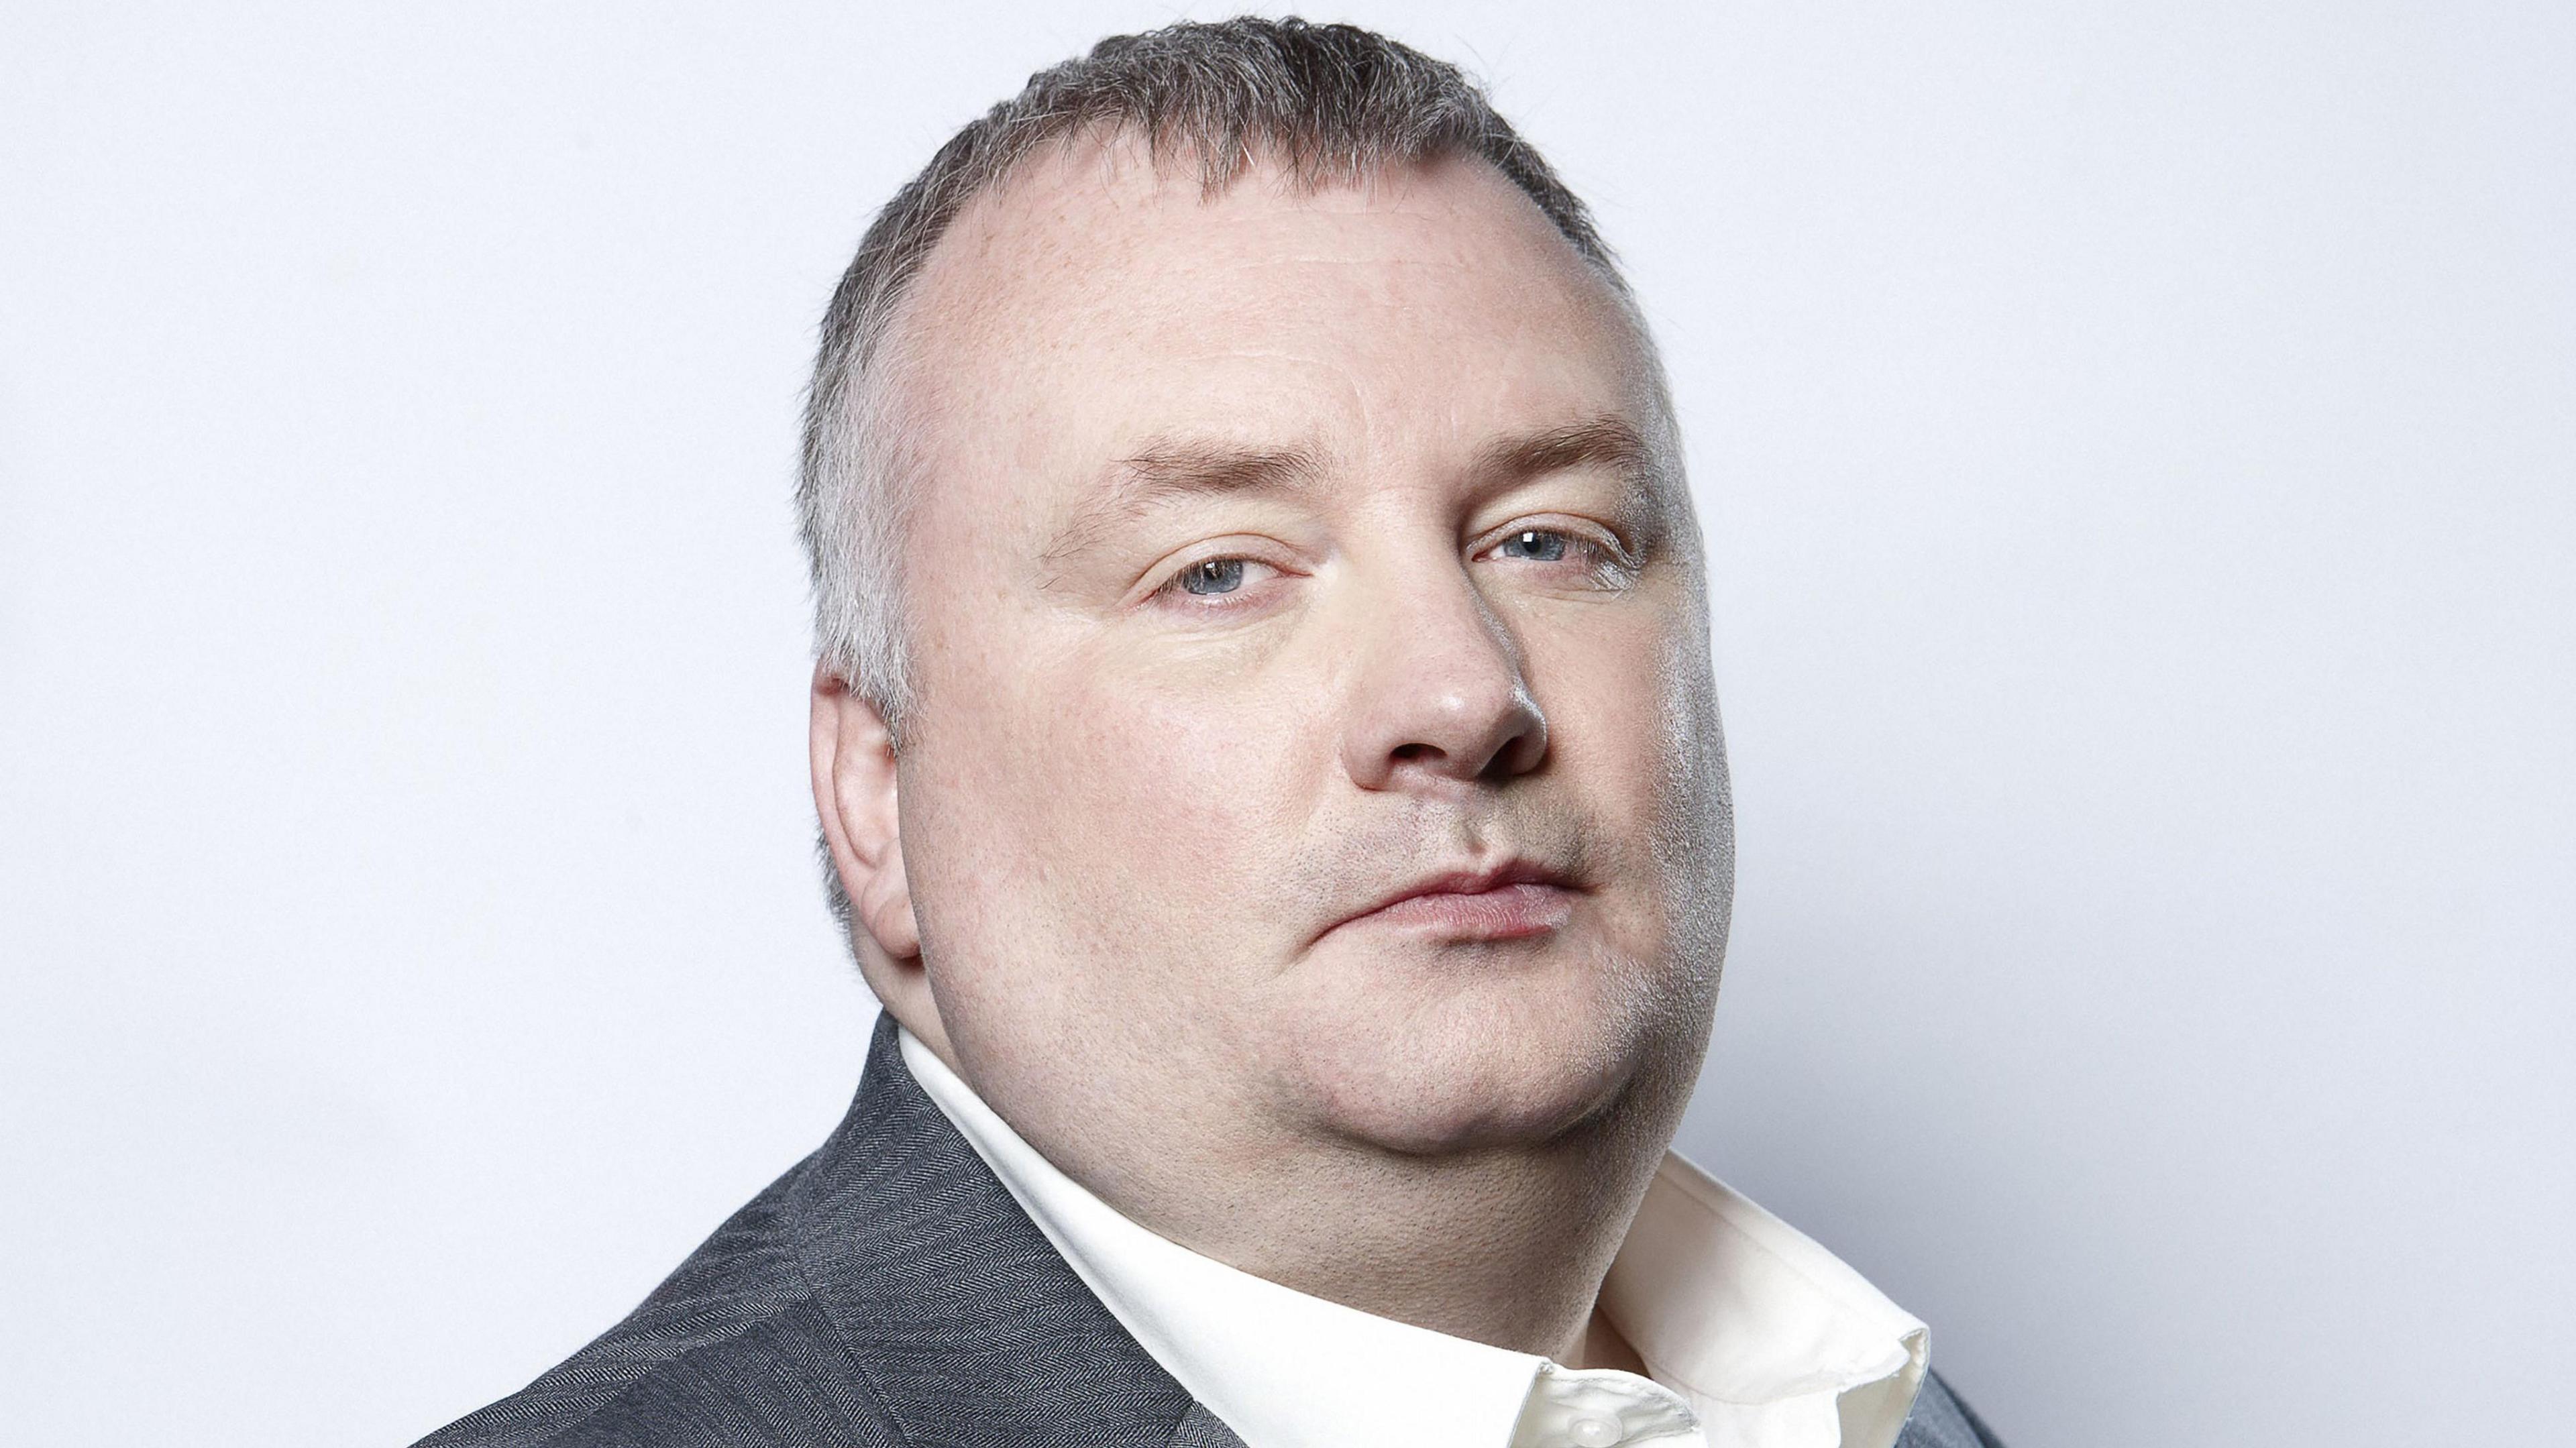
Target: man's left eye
(1541,545)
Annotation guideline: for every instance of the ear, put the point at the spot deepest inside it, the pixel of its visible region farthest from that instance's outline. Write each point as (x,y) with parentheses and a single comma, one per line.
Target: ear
(854,795)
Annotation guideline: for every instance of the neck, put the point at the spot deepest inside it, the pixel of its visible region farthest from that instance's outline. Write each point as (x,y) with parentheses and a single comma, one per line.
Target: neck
(1604,1346)
(1504,1246)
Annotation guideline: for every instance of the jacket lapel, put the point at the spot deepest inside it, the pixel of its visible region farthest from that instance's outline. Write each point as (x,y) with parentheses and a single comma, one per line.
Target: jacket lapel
(1200,1428)
(1940,1420)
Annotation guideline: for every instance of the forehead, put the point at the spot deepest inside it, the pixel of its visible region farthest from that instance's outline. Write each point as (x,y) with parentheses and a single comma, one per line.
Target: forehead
(1098,301)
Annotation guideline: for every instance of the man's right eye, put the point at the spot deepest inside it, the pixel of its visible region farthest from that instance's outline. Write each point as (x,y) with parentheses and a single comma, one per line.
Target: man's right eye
(1221,584)
(1211,576)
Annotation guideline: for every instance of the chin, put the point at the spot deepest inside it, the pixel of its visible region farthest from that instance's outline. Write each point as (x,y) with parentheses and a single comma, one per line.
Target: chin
(1508,1060)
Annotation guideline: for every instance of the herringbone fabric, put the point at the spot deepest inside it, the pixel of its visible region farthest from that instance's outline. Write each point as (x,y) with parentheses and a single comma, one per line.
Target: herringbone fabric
(888,1291)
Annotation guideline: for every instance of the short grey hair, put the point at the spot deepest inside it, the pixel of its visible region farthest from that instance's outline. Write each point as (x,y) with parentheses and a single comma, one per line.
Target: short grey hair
(1327,103)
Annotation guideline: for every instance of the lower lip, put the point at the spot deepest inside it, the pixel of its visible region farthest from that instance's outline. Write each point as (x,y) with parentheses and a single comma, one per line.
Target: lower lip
(1507,912)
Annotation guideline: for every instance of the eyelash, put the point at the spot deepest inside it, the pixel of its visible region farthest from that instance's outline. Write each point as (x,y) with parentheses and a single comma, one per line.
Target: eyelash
(1607,561)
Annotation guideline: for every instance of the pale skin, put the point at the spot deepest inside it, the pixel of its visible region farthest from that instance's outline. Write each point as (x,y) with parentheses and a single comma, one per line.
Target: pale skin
(1279,550)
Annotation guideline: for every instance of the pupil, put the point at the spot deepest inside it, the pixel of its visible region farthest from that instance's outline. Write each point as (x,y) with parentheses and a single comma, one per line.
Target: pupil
(1545,547)
(1216,575)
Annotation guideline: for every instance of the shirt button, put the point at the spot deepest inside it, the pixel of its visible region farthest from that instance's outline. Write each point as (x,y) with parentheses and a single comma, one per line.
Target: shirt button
(1591,1432)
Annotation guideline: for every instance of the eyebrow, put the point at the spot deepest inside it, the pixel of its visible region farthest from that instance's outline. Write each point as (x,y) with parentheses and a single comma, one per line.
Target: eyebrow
(1167,470)
(1608,442)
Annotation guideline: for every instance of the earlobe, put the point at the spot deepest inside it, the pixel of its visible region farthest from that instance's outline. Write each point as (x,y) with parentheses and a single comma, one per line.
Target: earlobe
(855,796)
(884,908)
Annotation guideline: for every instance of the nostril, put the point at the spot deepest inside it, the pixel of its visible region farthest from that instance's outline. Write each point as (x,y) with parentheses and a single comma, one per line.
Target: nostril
(1411,752)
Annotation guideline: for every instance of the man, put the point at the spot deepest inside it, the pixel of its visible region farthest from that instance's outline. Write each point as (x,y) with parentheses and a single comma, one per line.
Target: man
(1266,749)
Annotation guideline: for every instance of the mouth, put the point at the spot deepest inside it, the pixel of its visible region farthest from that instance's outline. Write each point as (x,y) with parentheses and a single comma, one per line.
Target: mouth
(1513,900)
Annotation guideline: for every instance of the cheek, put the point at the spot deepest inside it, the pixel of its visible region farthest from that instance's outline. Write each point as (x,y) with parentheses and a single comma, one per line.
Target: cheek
(1141,814)
(1613,698)
(1195,786)
(1633,718)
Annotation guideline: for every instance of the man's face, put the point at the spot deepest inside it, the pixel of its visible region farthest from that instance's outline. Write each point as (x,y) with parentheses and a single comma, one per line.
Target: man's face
(1279,557)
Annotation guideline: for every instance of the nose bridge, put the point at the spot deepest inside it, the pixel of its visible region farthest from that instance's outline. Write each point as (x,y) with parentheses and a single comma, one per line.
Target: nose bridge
(1439,688)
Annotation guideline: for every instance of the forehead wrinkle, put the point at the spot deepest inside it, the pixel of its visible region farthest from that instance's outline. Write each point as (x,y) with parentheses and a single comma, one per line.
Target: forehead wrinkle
(1166,470)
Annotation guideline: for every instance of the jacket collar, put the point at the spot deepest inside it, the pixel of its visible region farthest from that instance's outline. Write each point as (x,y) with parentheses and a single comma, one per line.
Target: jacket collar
(970,1327)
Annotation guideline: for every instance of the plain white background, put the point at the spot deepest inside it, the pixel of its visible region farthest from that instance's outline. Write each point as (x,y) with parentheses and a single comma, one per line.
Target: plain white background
(2136,443)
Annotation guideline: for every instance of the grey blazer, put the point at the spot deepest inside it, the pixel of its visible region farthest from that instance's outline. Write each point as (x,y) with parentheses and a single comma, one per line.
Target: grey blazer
(888,1291)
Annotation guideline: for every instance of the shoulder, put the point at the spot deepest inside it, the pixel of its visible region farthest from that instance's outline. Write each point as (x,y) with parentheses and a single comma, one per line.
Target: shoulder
(888,1289)
(732,1349)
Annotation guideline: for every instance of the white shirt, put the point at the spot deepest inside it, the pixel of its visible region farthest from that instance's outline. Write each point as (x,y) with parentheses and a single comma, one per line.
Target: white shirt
(1755,1336)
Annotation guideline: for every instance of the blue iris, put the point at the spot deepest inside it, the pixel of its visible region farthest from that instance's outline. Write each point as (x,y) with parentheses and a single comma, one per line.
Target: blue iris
(1215,575)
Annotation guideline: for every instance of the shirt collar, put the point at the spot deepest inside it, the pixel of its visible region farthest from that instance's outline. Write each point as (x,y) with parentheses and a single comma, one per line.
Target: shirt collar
(1774,1342)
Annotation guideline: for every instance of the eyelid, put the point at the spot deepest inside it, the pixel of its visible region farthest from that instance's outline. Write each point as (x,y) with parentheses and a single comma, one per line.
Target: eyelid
(1165,577)
(1614,548)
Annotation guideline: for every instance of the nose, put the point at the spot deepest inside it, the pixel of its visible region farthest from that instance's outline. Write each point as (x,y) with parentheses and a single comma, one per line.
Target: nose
(1439,693)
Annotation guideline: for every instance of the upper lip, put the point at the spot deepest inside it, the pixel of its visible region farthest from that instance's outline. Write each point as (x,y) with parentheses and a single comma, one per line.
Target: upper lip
(1471,881)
